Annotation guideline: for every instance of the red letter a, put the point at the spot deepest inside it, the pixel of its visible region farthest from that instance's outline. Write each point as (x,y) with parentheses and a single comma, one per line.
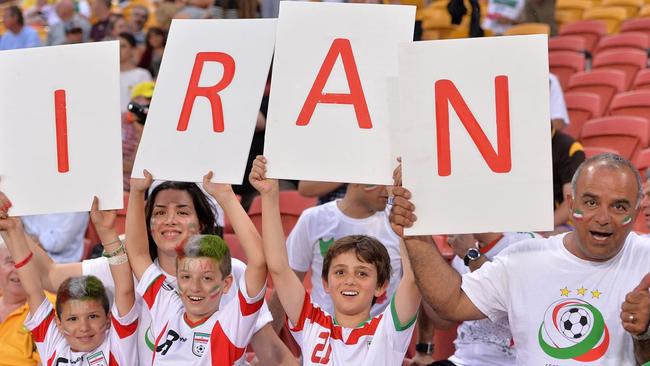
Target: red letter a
(446,92)
(340,46)
(210,92)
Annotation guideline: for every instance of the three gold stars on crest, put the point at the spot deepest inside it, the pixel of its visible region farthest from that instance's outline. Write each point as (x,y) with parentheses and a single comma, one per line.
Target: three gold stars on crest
(595,294)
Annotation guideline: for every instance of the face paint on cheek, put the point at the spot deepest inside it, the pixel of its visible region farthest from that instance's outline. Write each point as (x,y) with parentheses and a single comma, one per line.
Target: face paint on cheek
(214,293)
(193,228)
(577,214)
(626,220)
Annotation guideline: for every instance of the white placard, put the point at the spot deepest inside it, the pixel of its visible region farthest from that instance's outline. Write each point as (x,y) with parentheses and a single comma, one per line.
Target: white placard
(35,175)
(324,123)
(471,196)
(185,137)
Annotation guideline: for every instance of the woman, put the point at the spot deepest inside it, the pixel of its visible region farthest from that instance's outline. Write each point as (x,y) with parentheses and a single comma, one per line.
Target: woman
(153,53)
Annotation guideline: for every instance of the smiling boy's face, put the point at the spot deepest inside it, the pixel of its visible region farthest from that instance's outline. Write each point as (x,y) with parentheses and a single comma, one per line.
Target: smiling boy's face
(83,323)
(201,286)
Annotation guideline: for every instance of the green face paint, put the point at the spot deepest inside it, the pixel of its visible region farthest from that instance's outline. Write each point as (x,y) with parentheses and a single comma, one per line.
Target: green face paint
(626,220)
(577,214)
(215,291)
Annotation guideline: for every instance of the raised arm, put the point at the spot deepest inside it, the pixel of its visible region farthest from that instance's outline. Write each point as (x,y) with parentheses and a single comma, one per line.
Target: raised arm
(289,288)
(52,274)
(104,222)
(137,240)
(14,236)
(407,296)
(246,232)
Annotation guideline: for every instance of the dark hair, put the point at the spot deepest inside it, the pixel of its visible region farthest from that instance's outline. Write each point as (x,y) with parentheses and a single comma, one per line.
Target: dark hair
(128,37)
(84,288)
(367,249)
(15,11)
(205,210)
(210,246)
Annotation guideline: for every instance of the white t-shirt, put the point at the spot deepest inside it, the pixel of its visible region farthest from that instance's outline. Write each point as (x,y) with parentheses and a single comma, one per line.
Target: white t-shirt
(129,79)
(483,342)
(379,341)
(317,229)
(562,310)
(118,349)
(557,103)
(220,339)
(100,268)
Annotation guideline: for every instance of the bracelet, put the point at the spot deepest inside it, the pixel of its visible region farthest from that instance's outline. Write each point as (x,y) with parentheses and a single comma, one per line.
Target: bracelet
(425,348)
(118,259)
(24,261)
(119,251)
(113,242)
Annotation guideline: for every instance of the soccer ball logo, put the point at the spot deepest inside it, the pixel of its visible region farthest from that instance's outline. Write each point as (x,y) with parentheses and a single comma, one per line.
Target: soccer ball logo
(575,323)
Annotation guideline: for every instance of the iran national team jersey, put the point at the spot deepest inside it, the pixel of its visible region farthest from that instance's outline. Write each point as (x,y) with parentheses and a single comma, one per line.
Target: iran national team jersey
(379,341)
(100,268)
(219,340)
(118,349)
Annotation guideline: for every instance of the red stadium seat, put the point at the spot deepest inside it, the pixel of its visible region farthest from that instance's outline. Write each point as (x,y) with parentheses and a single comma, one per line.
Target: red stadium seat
(593,151)
(589,30)
(642,80)
(292,204)
(623,42)
(236,250)
(581,107)
(629,61)
(636,25)
(564,64)
(605,83)
(566,43)
(628,135)
(633,103)
(642,161)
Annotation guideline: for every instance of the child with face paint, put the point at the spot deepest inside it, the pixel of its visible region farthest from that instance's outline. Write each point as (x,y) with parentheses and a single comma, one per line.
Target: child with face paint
(189,323)
(81,331)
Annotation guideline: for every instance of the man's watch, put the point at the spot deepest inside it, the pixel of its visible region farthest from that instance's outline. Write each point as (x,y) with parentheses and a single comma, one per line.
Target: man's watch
(424,348)
(472,255)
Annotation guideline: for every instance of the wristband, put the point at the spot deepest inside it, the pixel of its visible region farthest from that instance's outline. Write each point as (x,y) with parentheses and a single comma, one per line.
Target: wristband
(24,261)
(119,251)
(113,242)
(118,259)
(425,348)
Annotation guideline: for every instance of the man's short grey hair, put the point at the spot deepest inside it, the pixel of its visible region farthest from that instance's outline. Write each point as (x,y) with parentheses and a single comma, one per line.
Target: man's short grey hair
(612,161)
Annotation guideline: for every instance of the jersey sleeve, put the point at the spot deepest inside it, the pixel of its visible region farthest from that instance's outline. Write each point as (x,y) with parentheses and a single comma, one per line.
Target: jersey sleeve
(159,296)
(299,245)
(309,315)
(124,335)
(487,288)
(394,333)
(45,333)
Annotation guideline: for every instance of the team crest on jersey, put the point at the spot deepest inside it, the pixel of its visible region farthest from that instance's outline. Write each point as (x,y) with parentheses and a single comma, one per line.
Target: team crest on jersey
(200,343)
(97,359)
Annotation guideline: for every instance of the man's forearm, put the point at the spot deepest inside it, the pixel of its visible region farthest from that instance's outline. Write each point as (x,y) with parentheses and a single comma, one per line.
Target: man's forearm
(642,351)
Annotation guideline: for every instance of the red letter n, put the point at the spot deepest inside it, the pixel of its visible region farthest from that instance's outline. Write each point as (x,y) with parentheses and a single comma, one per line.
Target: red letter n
(340,46)
(210,92)
(446,92)
(61,123)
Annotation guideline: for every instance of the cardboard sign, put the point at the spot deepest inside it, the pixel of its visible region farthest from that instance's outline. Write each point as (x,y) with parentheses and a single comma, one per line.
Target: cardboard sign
(207,98)
(477,143)
(60,139)
(328,118)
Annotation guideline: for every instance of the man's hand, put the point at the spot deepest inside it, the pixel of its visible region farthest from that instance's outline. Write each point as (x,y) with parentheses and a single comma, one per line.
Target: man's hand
(258,178)
(461,243)
(142,184)
(103,221)
(401,215)
(219,191)
(635,311)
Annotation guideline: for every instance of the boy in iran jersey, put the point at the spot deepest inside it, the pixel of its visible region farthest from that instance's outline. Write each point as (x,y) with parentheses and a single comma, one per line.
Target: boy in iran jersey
(118,349)
(219,339)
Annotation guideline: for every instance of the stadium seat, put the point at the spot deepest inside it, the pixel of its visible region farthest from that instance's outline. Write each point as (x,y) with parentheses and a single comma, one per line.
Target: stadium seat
(605,83)
(591,151)
(567,43)
(589,30)
(645,11)
(568,11)
(636,25)
(528,28)
(625,134)
(632,7)
(292,204)
(581,107)
(623,42)
(632,103)
(564,64)
(642,80)
(236,250)
(629,62)
(642,160)
(613,16)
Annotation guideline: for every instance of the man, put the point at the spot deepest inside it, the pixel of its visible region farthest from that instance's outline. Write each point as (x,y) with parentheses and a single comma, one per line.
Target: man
(70,21)
(138,17)
(571,299)
(133,126)
(101,12)
(130,74)
(17,34)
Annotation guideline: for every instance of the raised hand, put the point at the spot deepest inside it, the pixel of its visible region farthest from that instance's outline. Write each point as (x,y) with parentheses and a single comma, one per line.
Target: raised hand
(104,221)
(219,191)
(7,223)
(142,184)
(635,310)
(258,178)
(401,215)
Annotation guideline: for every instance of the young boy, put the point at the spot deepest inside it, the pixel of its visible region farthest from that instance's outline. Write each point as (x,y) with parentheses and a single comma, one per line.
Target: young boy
(355,273)
(81,331)
(189,325)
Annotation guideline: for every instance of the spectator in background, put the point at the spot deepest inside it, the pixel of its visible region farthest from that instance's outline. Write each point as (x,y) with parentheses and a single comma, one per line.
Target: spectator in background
(541,11)
(101,12)
(132,127)
(43,13)
(17,35)
(502,14)
(116,26)
(130,74)
(73,35)
(153,52)
(69,20)
(138,17)
(61,235)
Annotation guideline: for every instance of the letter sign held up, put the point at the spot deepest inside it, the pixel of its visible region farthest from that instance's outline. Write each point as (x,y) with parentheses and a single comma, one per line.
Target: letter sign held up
(340,46)
(61,119)
(499,161)
(209,92)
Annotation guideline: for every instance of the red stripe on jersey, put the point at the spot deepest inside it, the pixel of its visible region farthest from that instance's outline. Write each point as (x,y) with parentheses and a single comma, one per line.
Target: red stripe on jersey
(153,356)
(111,360)
(124,331)
(51,360)
(152,291)
(368,329)
(222,351)
(40,331)
(246,308)
(312,313)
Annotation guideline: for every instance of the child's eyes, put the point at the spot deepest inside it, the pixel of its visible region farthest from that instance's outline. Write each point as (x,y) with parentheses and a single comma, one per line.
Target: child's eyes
(72,319)
(338,272)
(362,274)
(207,278)
(185,277)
